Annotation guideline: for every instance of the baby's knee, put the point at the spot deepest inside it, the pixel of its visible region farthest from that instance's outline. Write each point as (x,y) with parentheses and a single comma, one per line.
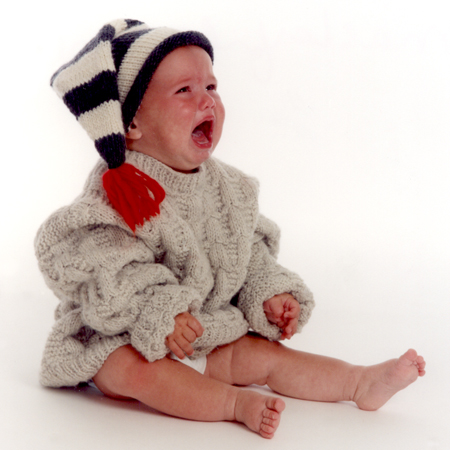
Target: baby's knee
(253,359)
(121,373)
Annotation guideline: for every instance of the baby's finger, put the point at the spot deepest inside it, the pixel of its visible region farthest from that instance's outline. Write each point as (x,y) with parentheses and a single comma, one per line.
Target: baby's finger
(291,314)
(175,349)
(278,321)
(287,334)
(273,308)
(195,326)
(185,346)
(291,304)
(189,334)
(290,328)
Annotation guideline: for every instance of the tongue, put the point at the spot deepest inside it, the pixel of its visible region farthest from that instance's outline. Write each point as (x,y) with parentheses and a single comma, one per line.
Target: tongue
(199,137)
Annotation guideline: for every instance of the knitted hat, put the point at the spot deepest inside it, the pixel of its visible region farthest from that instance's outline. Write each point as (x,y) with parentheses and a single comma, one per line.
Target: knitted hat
(103,87)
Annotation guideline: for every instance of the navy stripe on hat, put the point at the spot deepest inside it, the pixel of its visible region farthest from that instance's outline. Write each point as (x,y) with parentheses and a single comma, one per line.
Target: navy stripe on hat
(101,88)
(112,149)
(121,45)
(133,23)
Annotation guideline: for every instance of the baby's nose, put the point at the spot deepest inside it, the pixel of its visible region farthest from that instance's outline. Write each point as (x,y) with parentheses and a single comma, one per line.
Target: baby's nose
(207,101)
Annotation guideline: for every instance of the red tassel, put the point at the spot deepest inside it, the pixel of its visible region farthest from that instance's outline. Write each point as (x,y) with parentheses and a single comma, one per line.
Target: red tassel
(128,191)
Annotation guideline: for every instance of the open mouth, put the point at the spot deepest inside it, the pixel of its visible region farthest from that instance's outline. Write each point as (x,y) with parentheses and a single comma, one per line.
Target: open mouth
(202,134)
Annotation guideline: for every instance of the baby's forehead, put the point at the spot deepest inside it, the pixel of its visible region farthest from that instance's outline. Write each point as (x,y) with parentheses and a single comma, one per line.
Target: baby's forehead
(184,64)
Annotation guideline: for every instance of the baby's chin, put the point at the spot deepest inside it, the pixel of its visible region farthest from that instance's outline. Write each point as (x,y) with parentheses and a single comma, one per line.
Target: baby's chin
(198,157)
(185,170)
(188,166)
(191,168)
(188,161)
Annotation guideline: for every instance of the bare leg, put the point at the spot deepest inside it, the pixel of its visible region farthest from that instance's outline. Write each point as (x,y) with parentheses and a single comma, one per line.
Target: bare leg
(253,359)
(173,388)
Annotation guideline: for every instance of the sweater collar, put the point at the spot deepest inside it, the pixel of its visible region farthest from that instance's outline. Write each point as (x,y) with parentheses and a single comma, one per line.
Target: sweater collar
(172,181)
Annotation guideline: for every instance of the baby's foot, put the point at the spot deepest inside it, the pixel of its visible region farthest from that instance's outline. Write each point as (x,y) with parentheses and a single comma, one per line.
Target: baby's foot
(379,383)
(261,413)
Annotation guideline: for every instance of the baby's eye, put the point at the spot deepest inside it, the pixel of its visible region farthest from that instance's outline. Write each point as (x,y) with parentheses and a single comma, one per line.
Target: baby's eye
(211,87)
(183,89)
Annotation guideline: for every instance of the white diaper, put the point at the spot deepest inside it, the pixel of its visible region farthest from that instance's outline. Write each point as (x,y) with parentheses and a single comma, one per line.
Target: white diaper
(197,364)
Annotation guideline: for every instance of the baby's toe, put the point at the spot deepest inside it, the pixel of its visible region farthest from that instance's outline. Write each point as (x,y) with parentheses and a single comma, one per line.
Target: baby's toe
(267,431)
(270,415)
(270,422)
(421,362)
(409,357)
(275,404)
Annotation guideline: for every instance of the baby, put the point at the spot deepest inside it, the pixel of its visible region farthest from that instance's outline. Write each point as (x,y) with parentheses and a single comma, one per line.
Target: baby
(169,289)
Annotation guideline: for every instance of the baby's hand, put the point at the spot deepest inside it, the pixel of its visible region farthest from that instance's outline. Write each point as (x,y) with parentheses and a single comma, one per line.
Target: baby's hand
(187,330)
(283,311)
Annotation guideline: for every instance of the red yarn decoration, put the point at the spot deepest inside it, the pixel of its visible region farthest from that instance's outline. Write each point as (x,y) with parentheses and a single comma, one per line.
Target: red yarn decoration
(128,191)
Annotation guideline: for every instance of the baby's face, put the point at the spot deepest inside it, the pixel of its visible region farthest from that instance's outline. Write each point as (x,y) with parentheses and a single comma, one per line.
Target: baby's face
(181,116)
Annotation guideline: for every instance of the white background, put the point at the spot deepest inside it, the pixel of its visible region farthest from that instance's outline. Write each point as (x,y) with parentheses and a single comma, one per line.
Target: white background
(342,110)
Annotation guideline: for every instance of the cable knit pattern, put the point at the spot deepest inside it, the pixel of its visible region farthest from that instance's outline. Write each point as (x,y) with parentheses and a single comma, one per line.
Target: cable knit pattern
(209,252)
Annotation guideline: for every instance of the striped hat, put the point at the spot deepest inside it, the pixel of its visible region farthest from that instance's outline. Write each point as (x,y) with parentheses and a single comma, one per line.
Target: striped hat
(103,87)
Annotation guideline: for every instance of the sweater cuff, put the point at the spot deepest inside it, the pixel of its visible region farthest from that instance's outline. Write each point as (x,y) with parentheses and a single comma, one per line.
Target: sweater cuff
(251,303)
(157,319)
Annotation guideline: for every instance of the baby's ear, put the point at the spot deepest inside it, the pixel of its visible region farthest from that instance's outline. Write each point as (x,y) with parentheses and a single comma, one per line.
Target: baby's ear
(133,133)
(132,136)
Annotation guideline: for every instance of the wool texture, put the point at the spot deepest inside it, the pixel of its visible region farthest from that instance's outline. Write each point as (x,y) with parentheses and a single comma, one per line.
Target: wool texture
(209,252)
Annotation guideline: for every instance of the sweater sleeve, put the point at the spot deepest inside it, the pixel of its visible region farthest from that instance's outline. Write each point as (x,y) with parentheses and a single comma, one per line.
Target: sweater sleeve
(114,280)
(222,326)
(266,278)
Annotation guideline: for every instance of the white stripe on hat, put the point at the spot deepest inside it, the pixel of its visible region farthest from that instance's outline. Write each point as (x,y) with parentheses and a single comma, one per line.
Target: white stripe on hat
(136,56)
(87,67)
(104,120)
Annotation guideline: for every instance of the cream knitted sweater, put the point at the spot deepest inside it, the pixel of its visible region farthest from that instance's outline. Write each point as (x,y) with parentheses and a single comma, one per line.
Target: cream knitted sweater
(209,252)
